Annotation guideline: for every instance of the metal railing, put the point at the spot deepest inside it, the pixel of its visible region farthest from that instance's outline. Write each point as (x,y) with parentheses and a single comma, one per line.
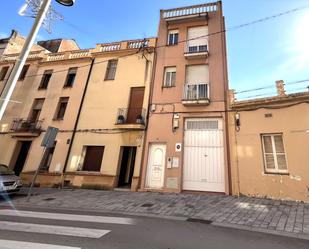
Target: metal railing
(131,116)
(191,10)
(26,125)
(196,91)
(196,49)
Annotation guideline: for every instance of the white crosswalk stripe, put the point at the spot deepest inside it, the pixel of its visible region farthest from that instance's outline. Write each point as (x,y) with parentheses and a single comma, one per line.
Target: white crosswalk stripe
(22,225)
(51,229)
(69,217)
(9,244)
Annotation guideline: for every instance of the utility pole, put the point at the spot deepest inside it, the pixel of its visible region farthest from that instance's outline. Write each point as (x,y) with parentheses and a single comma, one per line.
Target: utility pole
(7,92)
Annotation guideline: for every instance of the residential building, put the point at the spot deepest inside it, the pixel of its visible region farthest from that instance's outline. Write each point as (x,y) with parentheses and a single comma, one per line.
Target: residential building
(269,141)
(108,143)
(186,142)
(48,93)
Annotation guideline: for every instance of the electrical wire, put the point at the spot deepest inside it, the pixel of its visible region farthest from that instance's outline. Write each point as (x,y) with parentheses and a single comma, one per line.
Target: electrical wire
(210,34)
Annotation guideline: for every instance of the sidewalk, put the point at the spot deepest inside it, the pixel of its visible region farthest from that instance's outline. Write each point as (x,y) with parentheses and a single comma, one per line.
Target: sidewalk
(256,214)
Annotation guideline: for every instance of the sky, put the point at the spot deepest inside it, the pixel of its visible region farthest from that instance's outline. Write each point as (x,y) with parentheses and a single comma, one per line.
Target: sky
(258,54)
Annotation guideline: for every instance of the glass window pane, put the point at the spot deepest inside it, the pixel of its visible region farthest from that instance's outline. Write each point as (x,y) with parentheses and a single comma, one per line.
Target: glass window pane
(267,144)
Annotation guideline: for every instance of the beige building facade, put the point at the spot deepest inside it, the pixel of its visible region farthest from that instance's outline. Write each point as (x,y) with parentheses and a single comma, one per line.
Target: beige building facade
(107,147)
(186,142)
(269,141)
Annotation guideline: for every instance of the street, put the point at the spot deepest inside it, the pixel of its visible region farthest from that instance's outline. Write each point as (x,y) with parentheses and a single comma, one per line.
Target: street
(68,229)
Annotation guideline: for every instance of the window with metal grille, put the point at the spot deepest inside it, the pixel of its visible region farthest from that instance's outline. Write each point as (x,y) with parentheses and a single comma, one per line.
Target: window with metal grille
(173,37)
(45,79)
(274,153)
(70,77)
(111,70)
(169,77)
(23,72)
(3,73)
(202,125)
(62,106)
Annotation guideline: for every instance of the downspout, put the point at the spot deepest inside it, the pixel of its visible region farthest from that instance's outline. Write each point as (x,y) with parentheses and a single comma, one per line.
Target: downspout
(226,97)
(76,122)
(147,117)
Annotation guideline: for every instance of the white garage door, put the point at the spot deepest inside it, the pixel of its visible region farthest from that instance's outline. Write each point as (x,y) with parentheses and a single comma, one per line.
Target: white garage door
(204,155)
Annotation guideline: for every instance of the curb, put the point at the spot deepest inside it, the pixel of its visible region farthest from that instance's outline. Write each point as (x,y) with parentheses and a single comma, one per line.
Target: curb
(262,230)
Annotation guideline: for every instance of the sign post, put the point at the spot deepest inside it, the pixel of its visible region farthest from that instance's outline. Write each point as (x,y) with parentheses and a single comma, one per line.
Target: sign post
(47,142)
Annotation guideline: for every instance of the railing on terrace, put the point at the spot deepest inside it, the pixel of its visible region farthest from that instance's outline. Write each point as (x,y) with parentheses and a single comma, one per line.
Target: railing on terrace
(131,116)
(196,91)
(110,47)
(79,54)
(26,125)
(192,10)
(196,49)
(138,44)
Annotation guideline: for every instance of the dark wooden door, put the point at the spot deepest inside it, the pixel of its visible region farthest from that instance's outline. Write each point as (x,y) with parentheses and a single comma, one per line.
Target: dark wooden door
(135,104)
(22,156)
(93,158)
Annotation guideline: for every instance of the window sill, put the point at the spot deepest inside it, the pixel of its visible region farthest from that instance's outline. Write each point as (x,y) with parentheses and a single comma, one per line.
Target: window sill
(168,86)
(57,119)
(109,79)
(171,45)
(277,173)
(67,87)
(42,89)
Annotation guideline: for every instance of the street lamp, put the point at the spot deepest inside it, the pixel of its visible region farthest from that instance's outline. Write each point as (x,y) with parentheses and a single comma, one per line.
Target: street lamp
(20,62)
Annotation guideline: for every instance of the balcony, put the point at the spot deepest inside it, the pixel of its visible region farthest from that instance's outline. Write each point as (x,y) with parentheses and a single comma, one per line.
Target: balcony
(196,94)
(131,118)
(198,51)
(26,127)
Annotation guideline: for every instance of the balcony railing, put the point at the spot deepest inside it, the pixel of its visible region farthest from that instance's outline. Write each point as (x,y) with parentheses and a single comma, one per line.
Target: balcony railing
(198,50)
(26,125)
(196,93)
(131,116)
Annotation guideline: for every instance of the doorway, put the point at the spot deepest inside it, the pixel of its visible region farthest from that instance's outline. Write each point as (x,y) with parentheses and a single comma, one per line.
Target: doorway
(20,155)
(127,162)
(156,166)
(135,109)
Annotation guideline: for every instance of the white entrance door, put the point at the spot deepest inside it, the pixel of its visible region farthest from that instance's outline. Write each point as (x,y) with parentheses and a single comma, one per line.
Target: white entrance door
(156,165)
(203,155)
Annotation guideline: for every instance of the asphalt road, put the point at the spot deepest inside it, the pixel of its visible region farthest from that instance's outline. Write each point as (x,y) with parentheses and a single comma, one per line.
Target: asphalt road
(65,229)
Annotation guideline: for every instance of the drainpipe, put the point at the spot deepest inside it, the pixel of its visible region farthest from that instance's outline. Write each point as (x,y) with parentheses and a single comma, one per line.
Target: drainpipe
(76,122)
(147,117)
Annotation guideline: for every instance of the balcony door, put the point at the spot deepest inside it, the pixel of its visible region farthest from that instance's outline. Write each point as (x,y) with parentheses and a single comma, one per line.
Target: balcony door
(135,104)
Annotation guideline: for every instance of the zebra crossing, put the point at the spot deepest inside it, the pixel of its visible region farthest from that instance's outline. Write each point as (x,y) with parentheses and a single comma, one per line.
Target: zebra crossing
(43,223)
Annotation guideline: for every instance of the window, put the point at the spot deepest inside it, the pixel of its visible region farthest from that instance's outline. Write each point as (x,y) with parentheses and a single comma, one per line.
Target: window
(3,73)
(197,78)
(36,110)
(169,77)
(172,37)
(111,70)
(23,72)
(62,106)
(93,158)
(48,156)
(274,153)
(70,77)
(197,39)
(45,79)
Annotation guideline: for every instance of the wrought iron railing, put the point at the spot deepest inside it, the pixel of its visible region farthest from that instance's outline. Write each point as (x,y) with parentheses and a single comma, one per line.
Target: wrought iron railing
(196,91)
(131,116)
(26,125)
(196,49)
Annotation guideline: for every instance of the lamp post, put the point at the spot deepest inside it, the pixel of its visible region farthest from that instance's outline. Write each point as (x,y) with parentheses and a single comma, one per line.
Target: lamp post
(20,62)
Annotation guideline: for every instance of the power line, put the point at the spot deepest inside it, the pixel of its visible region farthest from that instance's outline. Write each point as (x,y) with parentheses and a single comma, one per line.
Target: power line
(210,34)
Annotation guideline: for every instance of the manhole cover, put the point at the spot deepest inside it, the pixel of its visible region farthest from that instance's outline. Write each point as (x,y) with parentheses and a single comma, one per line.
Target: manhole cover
(199,221)
(147,205)
(49,199)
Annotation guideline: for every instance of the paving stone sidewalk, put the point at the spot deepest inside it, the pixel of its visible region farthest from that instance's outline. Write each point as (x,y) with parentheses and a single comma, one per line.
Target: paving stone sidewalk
(251,213)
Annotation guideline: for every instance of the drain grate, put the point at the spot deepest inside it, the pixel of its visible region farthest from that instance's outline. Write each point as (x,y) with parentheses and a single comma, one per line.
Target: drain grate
(199,220)
(49,199)
(147,205)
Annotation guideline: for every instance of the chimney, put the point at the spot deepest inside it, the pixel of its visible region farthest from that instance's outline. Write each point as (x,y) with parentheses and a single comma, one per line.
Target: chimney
(280,88)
